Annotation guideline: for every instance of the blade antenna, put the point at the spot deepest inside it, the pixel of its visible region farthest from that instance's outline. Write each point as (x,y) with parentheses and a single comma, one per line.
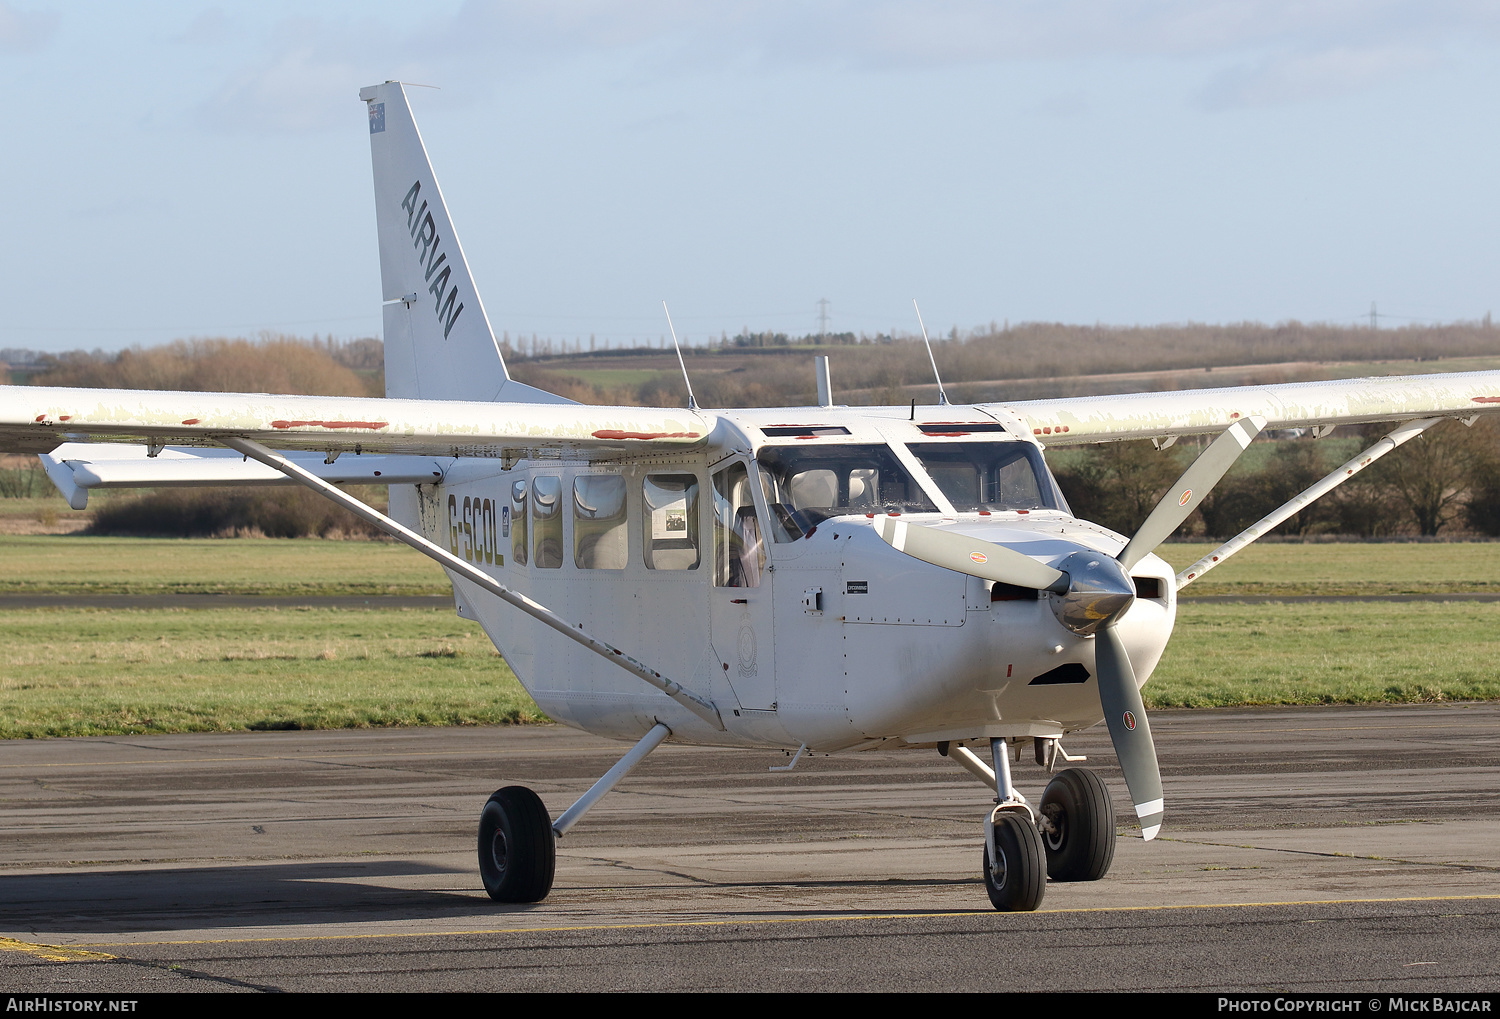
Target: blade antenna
(942,396)
(692,403)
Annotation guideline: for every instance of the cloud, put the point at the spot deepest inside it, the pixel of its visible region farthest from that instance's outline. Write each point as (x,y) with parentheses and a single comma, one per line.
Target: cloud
(25,31)
(291,95)
(1269,51)
(1297,77)
(209,28)
(942,31)
(305,78)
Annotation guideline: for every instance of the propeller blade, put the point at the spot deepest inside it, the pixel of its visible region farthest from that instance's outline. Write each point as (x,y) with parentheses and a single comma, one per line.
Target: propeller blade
(1196,482)
(982,559)
(1128,728)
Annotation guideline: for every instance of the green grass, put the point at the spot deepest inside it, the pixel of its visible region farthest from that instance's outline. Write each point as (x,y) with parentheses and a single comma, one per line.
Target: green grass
(70,564)
(74,564)
(88,672)
(1355,569)
(1329,653)
(71,672)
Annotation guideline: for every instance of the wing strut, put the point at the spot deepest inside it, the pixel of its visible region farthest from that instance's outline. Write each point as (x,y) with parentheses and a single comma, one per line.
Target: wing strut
(1410,430)
(697,705)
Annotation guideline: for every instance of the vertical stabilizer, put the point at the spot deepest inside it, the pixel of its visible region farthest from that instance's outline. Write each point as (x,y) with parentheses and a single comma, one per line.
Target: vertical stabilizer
(438,341)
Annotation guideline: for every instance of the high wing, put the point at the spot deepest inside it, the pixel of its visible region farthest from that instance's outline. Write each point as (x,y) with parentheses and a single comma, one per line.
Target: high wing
(39,419)
(1085,419)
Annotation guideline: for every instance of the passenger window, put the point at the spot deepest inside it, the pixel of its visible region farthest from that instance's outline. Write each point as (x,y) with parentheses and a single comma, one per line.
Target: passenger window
(599,522)
(739,553)
(518,547)
(671,525)
(547,522)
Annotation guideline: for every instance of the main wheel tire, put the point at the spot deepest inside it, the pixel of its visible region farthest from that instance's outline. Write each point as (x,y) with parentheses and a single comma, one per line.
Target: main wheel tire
(1022,877)
(1081,844)
(517,850)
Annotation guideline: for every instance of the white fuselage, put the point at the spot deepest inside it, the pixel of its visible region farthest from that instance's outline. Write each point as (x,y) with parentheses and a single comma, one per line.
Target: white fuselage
(836,640)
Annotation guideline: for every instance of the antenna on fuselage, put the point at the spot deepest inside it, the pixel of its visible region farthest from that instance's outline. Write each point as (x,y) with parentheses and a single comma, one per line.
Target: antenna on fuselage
(692,403)
(942,396)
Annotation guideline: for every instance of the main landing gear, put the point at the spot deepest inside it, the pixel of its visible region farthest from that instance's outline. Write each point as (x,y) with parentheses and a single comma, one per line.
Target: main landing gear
(518,839)
(517,850)
(1070,838)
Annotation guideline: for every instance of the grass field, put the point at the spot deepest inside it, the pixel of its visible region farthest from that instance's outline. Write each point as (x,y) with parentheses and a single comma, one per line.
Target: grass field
(1329,653)
(77,564)
(1352,569)
(96,671)
(72,564)
(83,672)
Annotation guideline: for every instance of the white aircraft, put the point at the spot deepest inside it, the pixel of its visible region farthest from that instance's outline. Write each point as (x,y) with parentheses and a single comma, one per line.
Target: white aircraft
(814,579)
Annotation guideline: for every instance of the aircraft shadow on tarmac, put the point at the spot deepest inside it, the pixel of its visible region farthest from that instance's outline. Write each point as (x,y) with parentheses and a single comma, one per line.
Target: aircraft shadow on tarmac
(273,895)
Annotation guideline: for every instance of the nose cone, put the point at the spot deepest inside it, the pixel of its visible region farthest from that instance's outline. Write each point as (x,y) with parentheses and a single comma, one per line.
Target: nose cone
(1099,591)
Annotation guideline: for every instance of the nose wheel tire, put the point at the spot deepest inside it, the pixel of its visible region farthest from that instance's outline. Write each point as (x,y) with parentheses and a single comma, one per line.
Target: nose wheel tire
(1017,882)
(1080,842)
(517,850)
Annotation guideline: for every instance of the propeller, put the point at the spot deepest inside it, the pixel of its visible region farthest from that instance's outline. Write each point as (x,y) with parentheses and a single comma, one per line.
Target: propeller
(1093,591)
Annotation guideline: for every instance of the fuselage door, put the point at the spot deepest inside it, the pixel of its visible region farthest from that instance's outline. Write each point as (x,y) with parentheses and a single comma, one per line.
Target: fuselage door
(740,624)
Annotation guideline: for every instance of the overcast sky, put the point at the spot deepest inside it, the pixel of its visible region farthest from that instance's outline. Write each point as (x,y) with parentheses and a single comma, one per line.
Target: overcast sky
(179,169)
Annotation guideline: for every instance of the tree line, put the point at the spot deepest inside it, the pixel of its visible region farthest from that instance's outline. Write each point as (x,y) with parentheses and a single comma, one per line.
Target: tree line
(1444,482)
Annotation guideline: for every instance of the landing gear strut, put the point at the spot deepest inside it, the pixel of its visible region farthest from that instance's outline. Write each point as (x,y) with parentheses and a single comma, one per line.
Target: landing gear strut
(518,838)
(1070,837)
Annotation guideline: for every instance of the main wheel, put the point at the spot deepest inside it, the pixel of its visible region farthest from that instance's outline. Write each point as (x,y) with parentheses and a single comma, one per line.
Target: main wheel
(517,850)
(1018,881)
(1081,840)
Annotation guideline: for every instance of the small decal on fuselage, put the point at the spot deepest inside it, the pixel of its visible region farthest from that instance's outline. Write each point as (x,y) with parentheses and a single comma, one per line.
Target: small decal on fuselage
(377,118)
(857,587)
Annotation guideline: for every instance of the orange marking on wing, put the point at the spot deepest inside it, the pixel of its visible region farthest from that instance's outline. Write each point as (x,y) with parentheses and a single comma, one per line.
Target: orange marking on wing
(615,433)
(371,425)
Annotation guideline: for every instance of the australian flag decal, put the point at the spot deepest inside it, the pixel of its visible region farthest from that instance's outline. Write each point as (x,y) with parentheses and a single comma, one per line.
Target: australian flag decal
(377,118)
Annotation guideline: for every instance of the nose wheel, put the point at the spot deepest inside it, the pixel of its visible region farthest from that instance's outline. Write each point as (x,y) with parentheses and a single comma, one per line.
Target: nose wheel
(1016,875)
(1069,836)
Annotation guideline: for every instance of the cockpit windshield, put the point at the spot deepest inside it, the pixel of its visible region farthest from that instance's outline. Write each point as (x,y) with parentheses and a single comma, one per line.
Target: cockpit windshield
(806,484)
(993,476)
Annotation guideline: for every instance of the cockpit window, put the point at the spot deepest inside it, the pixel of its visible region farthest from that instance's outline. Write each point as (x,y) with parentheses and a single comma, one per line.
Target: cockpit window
(993,476)
(806,484)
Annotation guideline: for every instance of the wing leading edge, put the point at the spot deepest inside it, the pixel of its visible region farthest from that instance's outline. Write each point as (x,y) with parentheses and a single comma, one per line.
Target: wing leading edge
(38,419)
(1079,420)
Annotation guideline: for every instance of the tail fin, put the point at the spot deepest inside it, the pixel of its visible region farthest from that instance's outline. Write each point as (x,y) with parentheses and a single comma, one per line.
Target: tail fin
(438,340)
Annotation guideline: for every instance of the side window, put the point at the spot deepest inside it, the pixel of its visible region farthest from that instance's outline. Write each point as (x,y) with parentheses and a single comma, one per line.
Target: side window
(547,522)
(518,547)
(739,553)
(671,531)
(599,522)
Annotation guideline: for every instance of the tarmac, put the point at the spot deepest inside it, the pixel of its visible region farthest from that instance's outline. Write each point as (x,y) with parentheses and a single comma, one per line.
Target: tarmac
(1309,849)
